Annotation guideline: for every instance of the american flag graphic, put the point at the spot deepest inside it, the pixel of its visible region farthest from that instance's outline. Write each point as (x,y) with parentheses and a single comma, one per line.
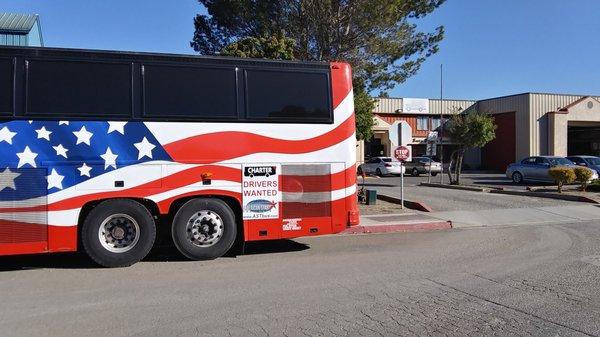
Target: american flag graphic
(49,170)
(68,153)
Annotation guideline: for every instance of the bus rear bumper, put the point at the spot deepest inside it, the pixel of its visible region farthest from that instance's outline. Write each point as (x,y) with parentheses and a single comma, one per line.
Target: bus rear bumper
(353,218)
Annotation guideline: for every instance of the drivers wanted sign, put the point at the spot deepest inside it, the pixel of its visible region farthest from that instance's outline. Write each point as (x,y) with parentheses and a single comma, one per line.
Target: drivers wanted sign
(260,191)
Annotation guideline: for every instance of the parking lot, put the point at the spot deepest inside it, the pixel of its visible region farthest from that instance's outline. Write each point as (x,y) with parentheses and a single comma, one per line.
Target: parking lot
(484,179)
(450,200)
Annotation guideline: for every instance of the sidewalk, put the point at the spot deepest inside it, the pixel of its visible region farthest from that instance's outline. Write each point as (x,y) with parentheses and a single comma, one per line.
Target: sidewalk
(404,222)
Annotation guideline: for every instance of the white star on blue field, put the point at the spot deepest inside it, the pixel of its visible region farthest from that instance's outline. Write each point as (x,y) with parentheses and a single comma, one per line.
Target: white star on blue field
(41,157)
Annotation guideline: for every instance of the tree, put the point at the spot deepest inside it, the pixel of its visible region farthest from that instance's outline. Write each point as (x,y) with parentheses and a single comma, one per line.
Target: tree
(363,107)
(276,47)
(562,175)
(583,176)
(379,38)
(469,130)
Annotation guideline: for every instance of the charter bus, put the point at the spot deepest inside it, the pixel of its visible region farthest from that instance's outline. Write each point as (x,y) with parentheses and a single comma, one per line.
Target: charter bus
(102,150)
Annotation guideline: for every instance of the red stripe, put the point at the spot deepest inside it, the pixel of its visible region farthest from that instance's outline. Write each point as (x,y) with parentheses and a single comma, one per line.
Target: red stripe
(234,144)
(341,81)
(21,232)
(305,210)
(165,205)
(23,248)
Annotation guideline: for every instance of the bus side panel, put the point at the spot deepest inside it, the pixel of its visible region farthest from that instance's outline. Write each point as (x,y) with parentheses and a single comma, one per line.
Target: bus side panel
(62,239)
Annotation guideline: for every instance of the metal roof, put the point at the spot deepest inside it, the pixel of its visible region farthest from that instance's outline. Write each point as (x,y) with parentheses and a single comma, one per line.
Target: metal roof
(17,23)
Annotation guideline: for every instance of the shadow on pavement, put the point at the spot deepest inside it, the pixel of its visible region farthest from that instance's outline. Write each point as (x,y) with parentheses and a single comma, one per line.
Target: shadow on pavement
(275,246)
(167,253)
(490,178)
(53,261)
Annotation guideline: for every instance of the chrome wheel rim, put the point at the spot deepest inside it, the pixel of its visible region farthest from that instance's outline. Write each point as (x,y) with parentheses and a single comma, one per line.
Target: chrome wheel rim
(119,233)
(205,228)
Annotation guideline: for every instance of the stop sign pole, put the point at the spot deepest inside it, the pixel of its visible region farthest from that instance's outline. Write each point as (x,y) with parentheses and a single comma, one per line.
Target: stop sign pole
(402,154)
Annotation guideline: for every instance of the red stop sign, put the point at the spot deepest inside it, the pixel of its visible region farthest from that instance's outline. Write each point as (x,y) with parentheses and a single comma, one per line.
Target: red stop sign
(402,153)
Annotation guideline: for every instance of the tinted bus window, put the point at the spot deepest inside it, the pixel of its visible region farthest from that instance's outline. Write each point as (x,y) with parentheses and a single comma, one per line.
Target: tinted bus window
(6,86)
(282,95)
(188,92)
(81,89)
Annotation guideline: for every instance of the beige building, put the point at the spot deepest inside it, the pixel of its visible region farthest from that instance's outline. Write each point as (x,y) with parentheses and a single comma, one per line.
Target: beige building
(528,124)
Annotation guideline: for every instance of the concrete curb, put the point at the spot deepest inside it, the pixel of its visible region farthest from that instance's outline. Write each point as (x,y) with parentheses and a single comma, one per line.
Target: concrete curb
(528,193)
(548,195)
(456,187)
(395,228)
(412,204)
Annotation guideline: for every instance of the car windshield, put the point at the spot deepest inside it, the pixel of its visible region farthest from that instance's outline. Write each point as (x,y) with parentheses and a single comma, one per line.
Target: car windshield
(386,160)
(593,161)
(560,161)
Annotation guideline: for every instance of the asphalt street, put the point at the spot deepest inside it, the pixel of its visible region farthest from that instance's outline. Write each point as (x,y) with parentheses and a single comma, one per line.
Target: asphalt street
(450,200)
(519,281)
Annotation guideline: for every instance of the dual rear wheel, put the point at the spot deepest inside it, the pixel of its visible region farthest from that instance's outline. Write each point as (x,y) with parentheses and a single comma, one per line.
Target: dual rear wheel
(121,232)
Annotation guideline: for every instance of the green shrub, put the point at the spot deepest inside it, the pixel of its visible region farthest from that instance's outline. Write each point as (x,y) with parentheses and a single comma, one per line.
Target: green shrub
(582,176)
(562,175)
(594,186)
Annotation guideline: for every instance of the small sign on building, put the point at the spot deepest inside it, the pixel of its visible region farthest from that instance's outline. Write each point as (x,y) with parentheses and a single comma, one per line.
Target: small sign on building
(415,105)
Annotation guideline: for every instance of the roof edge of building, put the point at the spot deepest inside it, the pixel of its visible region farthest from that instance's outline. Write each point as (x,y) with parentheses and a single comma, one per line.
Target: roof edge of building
(436,99)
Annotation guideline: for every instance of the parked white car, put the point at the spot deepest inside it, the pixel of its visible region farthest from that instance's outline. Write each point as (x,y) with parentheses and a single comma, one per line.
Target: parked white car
(381,166)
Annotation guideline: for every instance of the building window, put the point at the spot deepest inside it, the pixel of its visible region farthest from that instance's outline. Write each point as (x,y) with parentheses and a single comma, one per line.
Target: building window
(422,123)
(435,123)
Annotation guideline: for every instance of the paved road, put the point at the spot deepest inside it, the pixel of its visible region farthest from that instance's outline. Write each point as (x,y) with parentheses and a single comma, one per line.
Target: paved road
(520,281)
(483,179)
(450,200)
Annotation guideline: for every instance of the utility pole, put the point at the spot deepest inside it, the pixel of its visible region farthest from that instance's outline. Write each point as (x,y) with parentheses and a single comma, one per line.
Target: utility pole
(442,121)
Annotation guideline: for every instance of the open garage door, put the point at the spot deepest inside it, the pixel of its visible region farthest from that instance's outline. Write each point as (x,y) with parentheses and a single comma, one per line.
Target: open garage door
(583,139)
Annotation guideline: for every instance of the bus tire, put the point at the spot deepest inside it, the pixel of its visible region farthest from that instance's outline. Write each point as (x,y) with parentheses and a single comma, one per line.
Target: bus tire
(118,233)
(204,229)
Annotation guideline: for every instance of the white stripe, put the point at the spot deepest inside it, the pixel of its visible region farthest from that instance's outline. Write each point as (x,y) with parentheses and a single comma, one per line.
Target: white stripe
(222,185)
(64,218)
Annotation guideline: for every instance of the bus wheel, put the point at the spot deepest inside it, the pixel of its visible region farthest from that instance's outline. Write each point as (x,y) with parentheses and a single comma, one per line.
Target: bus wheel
(204,229)
(118,233)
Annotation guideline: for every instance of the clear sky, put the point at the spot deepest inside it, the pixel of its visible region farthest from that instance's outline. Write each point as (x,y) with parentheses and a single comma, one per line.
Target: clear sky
(492,47)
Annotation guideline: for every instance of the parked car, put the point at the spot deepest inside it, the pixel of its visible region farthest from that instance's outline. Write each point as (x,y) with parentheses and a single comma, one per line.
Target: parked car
(536,168)
(587,161)
(420,165)
(381,166)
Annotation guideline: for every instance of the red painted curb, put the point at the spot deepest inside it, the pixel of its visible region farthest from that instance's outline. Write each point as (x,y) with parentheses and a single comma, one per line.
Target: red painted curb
(411,227)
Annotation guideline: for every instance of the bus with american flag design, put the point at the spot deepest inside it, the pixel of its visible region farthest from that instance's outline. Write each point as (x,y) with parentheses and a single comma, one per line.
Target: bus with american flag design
(102,150)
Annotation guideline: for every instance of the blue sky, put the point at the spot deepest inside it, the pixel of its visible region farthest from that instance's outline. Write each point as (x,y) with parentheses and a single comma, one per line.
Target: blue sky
(492,48)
